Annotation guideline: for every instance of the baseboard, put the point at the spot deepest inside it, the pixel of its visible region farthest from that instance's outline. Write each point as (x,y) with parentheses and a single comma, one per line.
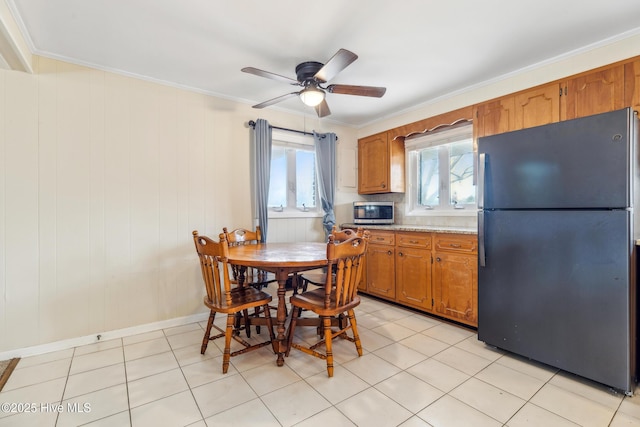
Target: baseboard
(101,336)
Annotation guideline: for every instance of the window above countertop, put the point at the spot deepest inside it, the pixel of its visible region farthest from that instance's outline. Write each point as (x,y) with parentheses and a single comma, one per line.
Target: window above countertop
(440,173)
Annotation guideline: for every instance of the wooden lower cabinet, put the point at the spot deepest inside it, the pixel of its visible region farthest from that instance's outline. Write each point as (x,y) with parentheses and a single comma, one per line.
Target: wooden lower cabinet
(413,273)
(455,286)
(433,272)
(380,271)
(413,269)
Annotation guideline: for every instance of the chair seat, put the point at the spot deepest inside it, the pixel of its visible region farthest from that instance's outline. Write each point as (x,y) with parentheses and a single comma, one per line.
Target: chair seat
(318,279)
(314,301)
(241,299)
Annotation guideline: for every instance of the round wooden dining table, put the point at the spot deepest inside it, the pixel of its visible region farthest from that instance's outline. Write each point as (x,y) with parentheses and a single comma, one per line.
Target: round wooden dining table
(282,259)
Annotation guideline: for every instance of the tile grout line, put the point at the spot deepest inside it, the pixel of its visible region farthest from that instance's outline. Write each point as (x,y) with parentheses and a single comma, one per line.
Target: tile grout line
(185,379)
(126,382)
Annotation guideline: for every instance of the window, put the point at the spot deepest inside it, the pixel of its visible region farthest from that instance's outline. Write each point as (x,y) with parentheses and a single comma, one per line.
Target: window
(292,186)
(440,170)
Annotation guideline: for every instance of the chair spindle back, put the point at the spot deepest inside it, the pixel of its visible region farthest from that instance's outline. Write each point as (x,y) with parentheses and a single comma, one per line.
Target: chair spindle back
(346,258)
(213,263)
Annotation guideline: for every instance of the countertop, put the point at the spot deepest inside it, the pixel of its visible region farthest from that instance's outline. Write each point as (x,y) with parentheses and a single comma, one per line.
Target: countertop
(421,228)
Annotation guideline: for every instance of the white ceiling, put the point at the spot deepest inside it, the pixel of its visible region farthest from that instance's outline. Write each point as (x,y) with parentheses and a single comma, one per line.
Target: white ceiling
(418,49)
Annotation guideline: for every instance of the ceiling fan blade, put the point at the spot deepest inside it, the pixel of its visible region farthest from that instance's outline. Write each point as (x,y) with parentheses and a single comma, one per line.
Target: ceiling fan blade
(337,63)
(322,109)
(374,91)
(276,100)
(269,75)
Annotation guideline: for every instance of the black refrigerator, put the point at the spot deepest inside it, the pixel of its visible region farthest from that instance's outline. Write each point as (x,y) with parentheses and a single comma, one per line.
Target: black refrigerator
(556,276)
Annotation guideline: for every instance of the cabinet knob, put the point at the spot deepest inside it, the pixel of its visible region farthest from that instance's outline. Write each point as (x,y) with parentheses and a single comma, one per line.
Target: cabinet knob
(383,185)
(390,253)
(438,259)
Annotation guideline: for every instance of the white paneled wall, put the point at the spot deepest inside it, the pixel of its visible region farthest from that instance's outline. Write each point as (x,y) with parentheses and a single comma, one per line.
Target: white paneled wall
(296,230)
(20,209)
(102,179)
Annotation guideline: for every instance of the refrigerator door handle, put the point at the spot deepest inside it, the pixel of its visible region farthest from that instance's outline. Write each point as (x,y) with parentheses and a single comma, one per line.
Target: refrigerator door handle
(482,262)
(482,159)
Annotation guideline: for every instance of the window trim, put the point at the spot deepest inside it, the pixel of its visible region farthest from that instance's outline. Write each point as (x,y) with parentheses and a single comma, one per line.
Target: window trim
(412,146)
(295,140)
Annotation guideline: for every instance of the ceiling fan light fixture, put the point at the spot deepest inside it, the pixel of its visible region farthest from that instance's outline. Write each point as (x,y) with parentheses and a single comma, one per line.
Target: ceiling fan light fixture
(312,96)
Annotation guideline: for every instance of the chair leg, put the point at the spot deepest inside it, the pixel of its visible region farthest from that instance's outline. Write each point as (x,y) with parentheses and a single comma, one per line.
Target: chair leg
(272,335)
(295,312)
(354,328)
(305,285)
(327,341)
(256,312)
(226,357)
(247,323)
(237,323)
(207,332)
(342,321)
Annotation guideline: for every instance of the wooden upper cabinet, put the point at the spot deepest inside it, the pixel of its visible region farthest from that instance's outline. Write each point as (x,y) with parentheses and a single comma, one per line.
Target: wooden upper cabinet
(494,117)
(595,92)
(380,164)
(632,85)
(536,107)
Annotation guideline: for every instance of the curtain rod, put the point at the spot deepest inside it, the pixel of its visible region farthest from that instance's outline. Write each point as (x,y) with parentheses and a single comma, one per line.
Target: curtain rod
(252,124)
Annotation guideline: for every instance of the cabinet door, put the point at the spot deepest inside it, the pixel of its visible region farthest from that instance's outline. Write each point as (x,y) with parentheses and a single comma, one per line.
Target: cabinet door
(381,164)
(380,267)
(597,92)
(537,107)
(455,286)
(632,85)
(494,117)
(413,277)
(373,164)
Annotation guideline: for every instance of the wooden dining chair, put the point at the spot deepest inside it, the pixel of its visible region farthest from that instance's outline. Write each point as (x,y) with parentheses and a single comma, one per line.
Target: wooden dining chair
(319,278)
(223,297)
(338,295)
(253,277)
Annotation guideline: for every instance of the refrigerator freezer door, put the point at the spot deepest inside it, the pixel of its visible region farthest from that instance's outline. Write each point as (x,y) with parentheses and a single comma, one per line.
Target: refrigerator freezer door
(556,288)
(581,163)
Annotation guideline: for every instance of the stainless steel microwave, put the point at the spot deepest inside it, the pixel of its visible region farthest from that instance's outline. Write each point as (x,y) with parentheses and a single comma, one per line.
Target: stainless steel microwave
(373,213)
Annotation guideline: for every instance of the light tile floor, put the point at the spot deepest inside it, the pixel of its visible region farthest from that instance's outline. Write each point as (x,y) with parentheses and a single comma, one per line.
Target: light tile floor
(415,371)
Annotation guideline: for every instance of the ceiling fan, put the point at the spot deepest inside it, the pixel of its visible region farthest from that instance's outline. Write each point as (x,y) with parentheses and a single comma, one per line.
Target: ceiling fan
(311,76)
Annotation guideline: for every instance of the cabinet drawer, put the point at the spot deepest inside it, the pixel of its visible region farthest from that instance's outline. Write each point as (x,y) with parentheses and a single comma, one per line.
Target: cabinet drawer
(378,237)
(414,240)
(456,243)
